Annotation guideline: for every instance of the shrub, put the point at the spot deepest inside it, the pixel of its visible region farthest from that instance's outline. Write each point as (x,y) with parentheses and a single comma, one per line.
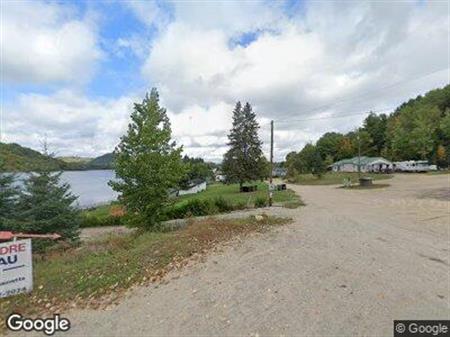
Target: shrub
(94,221)
(194,207)
(223,205)
(198,207)
(260,202)
(240,205)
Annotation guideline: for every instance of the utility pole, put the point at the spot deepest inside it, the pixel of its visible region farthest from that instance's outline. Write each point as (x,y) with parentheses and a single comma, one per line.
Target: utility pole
(359,157)
(271,163)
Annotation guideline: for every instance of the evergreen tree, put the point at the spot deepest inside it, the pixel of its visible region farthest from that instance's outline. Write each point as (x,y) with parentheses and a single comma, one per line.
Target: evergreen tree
(46,206)
(8,194)
(244,161)
(148,164)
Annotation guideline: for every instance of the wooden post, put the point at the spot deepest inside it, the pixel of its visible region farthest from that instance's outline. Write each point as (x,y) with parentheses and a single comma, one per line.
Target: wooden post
(271,163)
(359,158)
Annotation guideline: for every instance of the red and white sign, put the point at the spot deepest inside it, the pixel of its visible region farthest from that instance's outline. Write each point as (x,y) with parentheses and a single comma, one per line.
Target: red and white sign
(16,268)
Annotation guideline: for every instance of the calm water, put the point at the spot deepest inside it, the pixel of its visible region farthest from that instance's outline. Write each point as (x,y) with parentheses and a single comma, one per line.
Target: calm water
(91,187)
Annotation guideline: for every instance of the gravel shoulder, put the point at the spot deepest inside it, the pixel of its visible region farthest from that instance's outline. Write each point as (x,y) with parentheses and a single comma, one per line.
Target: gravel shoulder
(350,263)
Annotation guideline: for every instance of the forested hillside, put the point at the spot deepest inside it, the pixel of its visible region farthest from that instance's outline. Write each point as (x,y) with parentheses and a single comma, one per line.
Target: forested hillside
(102,162)
(18,158)
(417,129)
(14,157)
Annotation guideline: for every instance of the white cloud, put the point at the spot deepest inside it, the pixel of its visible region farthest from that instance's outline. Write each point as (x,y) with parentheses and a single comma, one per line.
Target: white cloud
(77,125)
(151,13)
(230,17)
(72,123)
(333,51)
(44,42)
(334,58)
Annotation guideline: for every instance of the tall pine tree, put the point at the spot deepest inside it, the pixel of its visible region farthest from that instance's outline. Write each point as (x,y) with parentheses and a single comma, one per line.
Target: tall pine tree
(147,163)
(8,194)
(46,206)
(244,161)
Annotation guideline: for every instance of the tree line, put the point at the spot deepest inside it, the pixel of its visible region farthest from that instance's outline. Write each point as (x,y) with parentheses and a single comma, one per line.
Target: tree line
(417,130)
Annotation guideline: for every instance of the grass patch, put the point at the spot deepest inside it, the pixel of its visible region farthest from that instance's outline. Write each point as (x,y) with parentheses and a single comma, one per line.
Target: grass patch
(334,178)
(99,271)
(105,215)
(231,194)
(218,198)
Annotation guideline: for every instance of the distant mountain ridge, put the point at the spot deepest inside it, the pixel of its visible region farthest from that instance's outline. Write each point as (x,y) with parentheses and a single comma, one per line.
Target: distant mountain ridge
(14,157)
(105,161)
(19,158)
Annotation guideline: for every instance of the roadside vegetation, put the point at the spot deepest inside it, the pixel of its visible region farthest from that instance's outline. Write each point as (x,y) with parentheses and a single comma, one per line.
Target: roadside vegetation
(104,215)
(98,272)
(218,198)
(333,178)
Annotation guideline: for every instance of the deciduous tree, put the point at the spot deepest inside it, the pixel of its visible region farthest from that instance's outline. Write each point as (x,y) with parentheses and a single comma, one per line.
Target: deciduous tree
(147,163)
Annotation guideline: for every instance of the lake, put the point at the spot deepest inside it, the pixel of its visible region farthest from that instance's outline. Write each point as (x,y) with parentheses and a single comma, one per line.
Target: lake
(91,187)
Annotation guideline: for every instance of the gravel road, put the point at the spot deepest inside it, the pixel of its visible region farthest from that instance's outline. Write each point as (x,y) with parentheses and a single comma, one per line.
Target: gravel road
(350,263)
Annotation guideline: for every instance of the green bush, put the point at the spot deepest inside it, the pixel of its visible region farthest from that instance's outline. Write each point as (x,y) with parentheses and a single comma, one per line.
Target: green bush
(194,207)
(240,205)
(94,221)
(260,202)
(223,205)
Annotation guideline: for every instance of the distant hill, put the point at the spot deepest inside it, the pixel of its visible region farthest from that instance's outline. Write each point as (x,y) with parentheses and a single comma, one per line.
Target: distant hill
(18,158)
(75,163)
(75,159)
(103,162)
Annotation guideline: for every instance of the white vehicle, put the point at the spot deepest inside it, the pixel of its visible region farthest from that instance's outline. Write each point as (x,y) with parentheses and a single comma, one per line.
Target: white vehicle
(414,166)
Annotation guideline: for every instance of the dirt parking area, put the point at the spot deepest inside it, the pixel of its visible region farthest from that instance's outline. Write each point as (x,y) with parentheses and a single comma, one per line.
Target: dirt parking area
(350,263)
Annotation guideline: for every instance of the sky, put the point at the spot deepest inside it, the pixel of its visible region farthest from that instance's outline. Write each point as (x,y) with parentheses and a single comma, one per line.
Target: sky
(71,70)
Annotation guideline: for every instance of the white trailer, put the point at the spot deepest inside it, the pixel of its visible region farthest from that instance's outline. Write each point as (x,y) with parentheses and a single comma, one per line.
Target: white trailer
(414,166)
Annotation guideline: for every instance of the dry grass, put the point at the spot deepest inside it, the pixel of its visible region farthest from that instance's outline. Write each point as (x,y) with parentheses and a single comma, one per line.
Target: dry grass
(98,272)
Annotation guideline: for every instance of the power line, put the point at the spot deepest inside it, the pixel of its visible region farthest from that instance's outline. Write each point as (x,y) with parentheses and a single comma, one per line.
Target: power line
(360,96)
(333,117)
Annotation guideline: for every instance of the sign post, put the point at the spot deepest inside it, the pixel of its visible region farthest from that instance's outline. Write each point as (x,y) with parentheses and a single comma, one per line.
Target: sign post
(16,268)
